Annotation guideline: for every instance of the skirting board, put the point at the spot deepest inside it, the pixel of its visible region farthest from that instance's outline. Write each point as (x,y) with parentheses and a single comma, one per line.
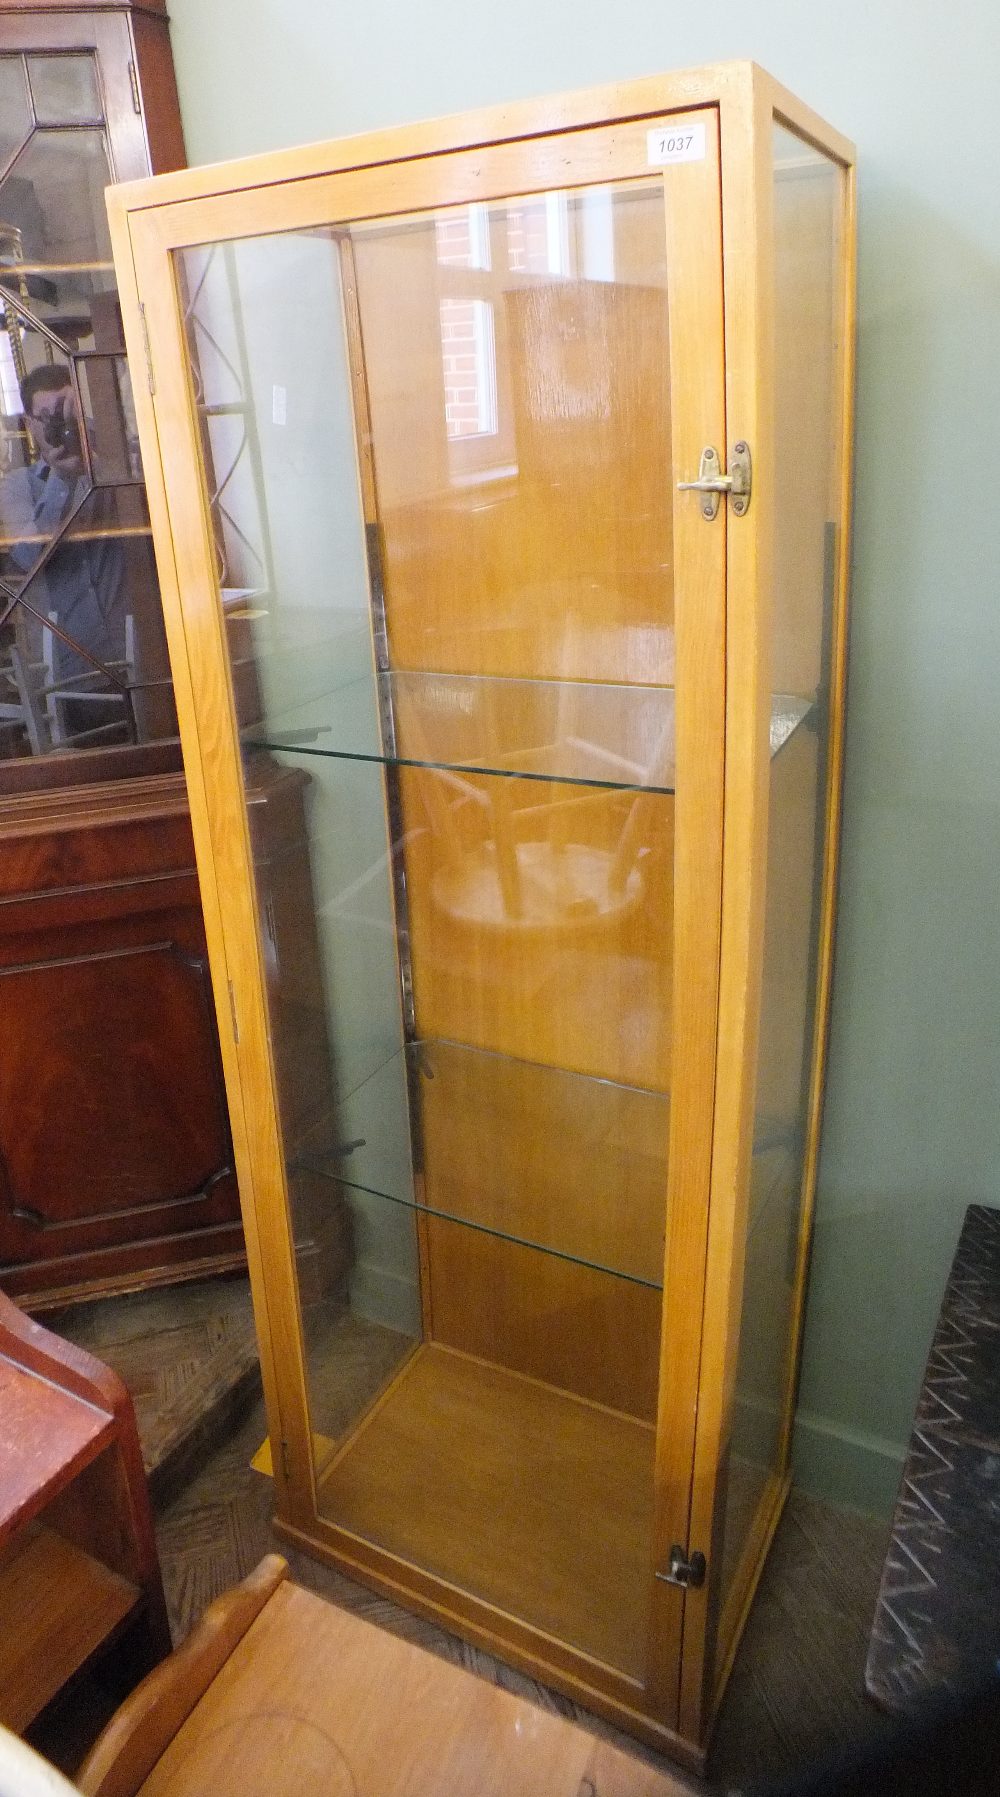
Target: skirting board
(846,1466)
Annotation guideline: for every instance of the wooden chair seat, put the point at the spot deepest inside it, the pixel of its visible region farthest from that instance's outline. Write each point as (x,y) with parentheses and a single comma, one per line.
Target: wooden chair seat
(279,1692)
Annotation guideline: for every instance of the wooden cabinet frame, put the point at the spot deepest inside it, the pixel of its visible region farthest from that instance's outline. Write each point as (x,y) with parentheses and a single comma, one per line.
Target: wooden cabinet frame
(721,846)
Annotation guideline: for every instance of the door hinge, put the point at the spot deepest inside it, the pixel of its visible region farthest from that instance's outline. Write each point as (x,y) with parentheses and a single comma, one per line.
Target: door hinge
(149,354)
(686,1570)
(712,483)
(232,1009)
(286,1460)
(134,79)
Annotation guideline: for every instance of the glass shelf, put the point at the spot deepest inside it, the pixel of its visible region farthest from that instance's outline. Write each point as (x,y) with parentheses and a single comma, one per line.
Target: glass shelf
(564,1163)
(572,731)
(577,732)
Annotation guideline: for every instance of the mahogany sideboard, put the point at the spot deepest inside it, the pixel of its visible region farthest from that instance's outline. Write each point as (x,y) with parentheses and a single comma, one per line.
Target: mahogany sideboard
(115,1152)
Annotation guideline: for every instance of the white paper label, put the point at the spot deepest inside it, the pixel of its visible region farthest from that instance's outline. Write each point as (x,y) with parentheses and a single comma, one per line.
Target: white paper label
(675,143)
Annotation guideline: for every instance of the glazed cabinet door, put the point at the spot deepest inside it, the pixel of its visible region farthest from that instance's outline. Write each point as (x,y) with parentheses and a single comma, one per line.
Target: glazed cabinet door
(85,98)
(767,1120)
(420,428)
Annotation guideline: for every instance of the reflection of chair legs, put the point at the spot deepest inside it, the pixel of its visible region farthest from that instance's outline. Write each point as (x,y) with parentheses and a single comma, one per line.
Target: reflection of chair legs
(81,708)
(71,711)
(22,681)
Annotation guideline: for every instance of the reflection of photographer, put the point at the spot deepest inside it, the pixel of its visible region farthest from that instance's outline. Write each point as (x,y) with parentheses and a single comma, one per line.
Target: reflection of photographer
(60,432)
(51,417)
(53,421)
(82,585)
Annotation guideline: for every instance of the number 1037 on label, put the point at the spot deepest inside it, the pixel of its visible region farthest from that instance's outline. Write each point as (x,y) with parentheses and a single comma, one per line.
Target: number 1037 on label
(675,143)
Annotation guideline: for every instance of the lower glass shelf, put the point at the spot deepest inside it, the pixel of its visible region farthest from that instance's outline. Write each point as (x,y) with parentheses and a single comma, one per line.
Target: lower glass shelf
(559,1162)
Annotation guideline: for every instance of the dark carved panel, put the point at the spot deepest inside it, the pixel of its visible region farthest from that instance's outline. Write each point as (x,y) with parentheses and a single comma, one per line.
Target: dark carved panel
(115,1152)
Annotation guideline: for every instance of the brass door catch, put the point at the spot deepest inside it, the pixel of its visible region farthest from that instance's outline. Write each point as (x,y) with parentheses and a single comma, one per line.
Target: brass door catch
(712,483)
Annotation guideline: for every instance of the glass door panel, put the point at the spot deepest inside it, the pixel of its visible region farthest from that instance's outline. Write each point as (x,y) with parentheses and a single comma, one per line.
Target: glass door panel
(520,448)
(83,657)
(809,225)
(437,459)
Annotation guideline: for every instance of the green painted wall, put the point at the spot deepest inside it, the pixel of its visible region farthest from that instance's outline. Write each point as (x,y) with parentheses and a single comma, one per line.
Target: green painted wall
(913,1120)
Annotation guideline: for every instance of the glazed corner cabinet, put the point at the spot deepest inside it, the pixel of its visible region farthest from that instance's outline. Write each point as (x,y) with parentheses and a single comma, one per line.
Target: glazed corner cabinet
(535,581)
(116,1163)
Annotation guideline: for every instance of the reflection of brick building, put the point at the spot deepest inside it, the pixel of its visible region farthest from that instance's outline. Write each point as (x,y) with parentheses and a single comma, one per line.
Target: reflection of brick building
(489,248)
(466,350)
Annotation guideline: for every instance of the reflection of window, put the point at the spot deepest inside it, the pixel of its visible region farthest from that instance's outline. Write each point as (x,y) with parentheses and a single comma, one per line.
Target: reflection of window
(463,238)
(597,231)
(538,236)
(468,351)
(468,342)
(556,235)
(485,257)
(10,392)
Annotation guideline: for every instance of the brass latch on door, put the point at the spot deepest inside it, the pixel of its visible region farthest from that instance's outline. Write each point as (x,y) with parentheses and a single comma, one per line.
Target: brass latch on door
(712,483)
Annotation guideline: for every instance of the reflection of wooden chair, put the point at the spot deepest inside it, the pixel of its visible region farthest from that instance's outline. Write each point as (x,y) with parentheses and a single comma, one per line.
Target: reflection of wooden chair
(535,868)
(33,695)
(278,1692)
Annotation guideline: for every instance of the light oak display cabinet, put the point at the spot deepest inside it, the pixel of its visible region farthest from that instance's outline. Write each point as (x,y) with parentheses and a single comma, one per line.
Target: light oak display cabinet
(498,471)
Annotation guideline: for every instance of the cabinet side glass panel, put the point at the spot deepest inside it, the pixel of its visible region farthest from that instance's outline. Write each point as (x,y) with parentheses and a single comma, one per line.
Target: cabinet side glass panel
(271,388)
(808,221)
(437,451)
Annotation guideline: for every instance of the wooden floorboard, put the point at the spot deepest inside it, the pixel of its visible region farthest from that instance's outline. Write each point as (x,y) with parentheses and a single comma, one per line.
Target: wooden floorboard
(796,1695)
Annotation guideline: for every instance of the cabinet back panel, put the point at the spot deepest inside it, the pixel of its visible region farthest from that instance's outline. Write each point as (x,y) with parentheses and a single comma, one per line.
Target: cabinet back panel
(579,1330)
